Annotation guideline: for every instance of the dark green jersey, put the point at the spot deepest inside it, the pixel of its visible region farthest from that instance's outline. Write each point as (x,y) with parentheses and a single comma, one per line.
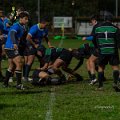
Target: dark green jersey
(87,45)
(51,54)
(106,35)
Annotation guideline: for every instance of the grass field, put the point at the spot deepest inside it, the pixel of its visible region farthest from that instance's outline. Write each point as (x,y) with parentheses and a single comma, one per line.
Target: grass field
(72,101)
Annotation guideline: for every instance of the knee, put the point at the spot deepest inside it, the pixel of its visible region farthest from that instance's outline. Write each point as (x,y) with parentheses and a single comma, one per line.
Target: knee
(115,67)
(19,62)
(100,69)
(43,75)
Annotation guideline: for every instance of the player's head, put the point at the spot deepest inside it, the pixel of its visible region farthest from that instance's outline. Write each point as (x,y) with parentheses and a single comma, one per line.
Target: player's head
(108,18)
(23,17)
(94,19)
(9,15)
(43,22)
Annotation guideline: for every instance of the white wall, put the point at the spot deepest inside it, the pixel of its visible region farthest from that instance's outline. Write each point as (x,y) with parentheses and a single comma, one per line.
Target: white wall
(85,28)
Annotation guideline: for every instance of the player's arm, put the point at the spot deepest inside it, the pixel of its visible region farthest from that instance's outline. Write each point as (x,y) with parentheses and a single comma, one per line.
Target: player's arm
(7,25)
(30,35)
(48,42)
(68,70)
(29,38)
(89,38)
(45,66)
(12,36)
(47,59)
(79,64)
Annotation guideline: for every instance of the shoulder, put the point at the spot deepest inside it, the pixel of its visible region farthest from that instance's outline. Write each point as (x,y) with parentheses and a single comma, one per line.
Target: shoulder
(34,27)
(15,26)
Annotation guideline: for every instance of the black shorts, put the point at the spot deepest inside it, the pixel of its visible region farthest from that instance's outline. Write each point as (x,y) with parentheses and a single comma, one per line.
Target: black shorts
(12,53)
(95,53)
(30,51)
(66,56)
(21,49)
(111,59)
(36,73)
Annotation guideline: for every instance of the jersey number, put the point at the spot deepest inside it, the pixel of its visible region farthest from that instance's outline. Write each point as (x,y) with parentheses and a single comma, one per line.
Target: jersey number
(106,35)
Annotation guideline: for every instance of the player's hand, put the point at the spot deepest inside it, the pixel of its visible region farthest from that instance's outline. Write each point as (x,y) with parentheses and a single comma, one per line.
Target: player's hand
(70,77)
(15,46)
(50,66)
(36,45)
(51,46)
(84,38)
(42,69)
(70,49)
(1,37)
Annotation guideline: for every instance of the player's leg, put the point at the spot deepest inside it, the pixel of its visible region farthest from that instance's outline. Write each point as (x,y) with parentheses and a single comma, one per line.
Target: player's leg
(18,71)
(8,72)
(28,65)
(40,77)
(24,65)
(88,69)
(55,69)
(92,60)
(1,75)
(100,76)
(11,54)
(114,62)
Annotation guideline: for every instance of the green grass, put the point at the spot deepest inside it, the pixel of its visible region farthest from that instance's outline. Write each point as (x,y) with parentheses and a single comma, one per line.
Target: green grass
(72,101)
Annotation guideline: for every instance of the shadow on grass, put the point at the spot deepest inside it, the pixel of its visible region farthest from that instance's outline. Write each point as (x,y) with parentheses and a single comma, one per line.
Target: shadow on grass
(3,106)
(24,92)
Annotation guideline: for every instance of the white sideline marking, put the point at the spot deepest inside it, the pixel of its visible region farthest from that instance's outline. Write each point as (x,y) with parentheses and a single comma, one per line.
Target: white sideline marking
(49,115)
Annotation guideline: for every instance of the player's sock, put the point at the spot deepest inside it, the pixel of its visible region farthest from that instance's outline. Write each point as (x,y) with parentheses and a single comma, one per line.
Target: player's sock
(8,75)
(90,76)
(78,77)
(104,78)
(18,76)
(24,67)
(116,76)
(1,74)
(93,76)
(1,77)
(100,78)
(27,70)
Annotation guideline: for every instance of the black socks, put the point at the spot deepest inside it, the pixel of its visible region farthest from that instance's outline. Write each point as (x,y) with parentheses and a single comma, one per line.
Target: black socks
(8,75)
(100,78)
(18,76)
(116,76)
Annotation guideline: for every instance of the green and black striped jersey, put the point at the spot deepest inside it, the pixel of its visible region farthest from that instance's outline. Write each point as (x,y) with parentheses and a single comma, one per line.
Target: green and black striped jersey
(51,54)
(106,35)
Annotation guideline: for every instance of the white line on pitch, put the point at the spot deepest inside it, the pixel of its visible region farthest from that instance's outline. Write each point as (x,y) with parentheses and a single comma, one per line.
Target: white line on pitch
(49,113)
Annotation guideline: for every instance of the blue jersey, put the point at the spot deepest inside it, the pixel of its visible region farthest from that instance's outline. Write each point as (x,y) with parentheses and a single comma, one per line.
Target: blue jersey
(6,29)
(19,30)
(37,33)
